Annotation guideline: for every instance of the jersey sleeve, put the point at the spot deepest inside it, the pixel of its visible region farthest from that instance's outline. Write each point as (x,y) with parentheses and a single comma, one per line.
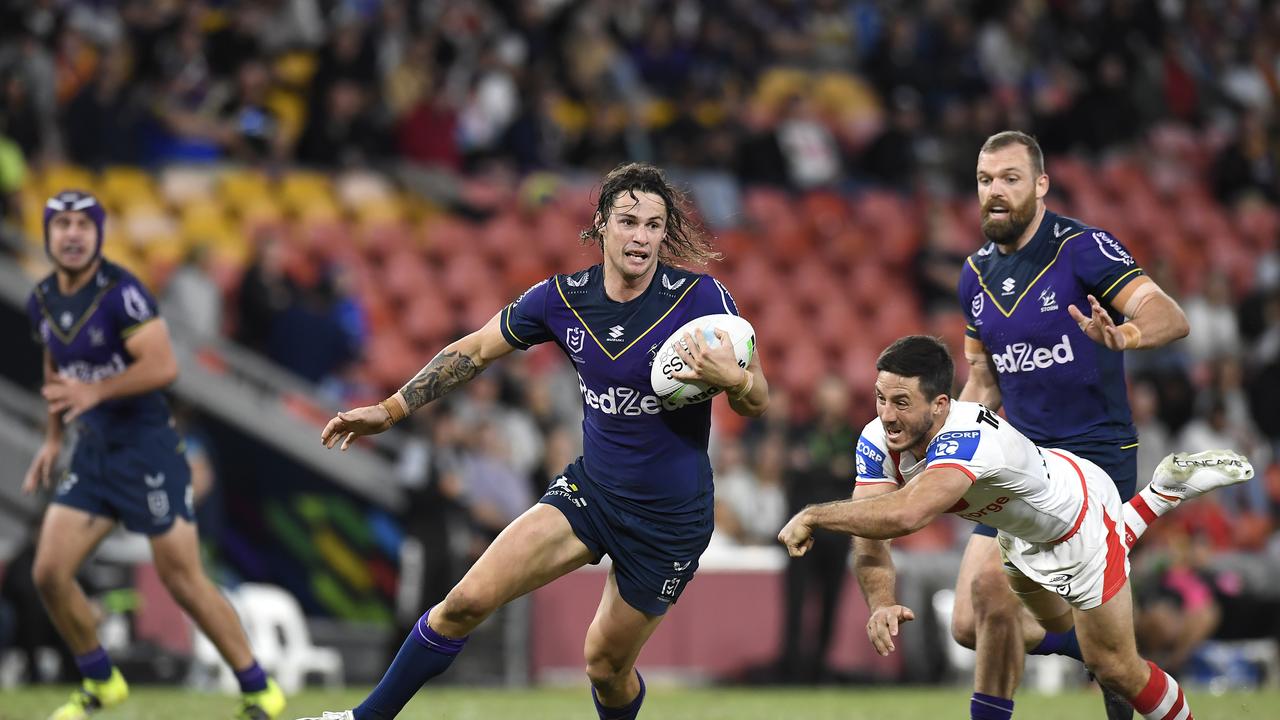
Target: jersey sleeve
(964,450)
(36,319)
(871,458)
(1102,264)
(130,305)
(524,321)
(971,299)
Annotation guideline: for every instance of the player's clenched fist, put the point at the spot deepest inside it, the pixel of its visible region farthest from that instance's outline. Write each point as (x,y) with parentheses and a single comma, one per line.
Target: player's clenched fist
(882,626)
(351,424)
(797,536)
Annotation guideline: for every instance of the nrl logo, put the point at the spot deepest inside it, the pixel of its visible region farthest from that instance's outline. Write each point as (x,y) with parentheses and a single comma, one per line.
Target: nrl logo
(575,338)
(673,286)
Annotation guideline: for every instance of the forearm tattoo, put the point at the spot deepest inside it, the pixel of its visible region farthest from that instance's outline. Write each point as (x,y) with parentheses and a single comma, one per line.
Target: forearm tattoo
(445,372)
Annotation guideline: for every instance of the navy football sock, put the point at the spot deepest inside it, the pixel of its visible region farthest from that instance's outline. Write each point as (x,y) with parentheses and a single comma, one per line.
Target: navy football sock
(626,712)
(1063,643)
(252,679)
(424,655)
(95,664)
(989,707)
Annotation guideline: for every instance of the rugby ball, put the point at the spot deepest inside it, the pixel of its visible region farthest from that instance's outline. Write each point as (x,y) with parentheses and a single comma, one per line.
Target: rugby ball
(667,361)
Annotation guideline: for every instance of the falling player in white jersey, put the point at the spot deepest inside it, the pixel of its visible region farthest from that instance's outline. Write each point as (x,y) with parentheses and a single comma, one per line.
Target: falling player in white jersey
(1056,513)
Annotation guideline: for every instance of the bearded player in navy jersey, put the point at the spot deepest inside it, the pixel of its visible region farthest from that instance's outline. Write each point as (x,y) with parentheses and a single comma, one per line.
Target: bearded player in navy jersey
(1046,301)
(107,356)
(641,492)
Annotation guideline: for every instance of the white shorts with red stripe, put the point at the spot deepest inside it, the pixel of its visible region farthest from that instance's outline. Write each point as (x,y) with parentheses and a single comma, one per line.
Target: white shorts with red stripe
(1089,566)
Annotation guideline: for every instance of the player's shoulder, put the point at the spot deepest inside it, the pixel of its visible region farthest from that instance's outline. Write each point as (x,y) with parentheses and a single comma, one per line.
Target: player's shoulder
(1081,237)
(964,432)
(871,450)
(579,279)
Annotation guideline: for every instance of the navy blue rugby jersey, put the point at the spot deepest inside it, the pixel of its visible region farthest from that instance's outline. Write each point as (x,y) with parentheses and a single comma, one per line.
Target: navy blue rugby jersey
(1057,386)
(647,455)
(85,334)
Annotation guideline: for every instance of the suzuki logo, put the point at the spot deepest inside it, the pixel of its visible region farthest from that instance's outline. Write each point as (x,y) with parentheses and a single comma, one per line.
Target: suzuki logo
(1007,286)
(615,332)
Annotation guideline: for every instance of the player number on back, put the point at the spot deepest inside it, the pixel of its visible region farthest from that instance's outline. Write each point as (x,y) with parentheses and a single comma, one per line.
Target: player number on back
(988,417)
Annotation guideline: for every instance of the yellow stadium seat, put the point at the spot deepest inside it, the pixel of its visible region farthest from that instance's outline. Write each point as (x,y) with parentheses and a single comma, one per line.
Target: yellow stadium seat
(123,186)
(261,211)
(237,187)
(65,177)
(204,218)
(298,189)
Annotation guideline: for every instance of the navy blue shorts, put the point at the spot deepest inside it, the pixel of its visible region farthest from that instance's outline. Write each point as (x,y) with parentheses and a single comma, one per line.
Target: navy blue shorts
(653,562)
(144,482)
(1121,463)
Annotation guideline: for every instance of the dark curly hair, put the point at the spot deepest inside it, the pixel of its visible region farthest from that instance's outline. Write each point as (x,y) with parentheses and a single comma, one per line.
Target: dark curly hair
(684,244)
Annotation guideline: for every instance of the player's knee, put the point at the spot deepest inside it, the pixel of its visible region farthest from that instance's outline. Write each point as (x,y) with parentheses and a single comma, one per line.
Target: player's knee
(992,600)
(50,579)
(605,671)
(464,606)
(182,583)
(962,628)
(1123,675)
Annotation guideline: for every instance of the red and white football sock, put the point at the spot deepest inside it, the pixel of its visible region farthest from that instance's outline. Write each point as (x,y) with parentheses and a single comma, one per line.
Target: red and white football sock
(1161,699)
(1142,510)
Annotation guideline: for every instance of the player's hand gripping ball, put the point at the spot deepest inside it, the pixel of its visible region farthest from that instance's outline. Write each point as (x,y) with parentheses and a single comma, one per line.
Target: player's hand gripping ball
(670,365)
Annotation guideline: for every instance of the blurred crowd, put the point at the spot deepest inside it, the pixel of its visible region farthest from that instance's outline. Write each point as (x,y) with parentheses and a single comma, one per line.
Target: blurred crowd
(1160,119)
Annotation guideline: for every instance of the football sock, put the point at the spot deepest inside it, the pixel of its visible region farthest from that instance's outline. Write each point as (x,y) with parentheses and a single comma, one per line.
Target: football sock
(252,679)
(626,712)
(1142,510)
(1059,643)
(95,664)
(1161,699)
(989,707)
(424,655)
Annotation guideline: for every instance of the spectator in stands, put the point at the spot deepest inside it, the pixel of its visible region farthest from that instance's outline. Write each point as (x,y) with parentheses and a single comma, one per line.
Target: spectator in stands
(191,299)
(102,123)
(750,503)
(820,469)
(1213,316)
(345,134)
(1249,164)
(1176,609)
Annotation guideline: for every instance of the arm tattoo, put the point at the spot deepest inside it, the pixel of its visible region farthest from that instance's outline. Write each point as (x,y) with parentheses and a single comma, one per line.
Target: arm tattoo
(445,372)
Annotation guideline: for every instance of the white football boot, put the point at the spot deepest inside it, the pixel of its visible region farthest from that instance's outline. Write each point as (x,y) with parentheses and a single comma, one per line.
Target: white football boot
(328,715)
(1190,475)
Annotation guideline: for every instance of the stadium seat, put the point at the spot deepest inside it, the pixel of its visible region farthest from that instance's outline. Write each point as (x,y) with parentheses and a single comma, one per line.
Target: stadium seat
(65,177)
(281,642)
(180,185)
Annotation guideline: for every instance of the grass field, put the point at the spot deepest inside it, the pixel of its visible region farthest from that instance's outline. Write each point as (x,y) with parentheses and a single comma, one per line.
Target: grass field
(662,704)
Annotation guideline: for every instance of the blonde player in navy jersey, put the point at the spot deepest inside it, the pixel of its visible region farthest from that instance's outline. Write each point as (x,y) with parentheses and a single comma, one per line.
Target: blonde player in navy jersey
(1059,517)
(641,492)
(1057,372)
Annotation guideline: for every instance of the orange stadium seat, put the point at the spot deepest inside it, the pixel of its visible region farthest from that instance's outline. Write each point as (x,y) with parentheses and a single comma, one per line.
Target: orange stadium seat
(122,187)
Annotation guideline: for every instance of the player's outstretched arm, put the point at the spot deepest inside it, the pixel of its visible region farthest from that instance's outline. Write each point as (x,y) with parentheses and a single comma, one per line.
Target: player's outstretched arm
(886,516)
(40,473)
(153,368)
(981,387)
(455,365)
(873,566)
(1155,319)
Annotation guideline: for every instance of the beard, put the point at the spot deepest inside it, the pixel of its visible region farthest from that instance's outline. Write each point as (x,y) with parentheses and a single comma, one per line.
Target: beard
(1007,230)
(913,434)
